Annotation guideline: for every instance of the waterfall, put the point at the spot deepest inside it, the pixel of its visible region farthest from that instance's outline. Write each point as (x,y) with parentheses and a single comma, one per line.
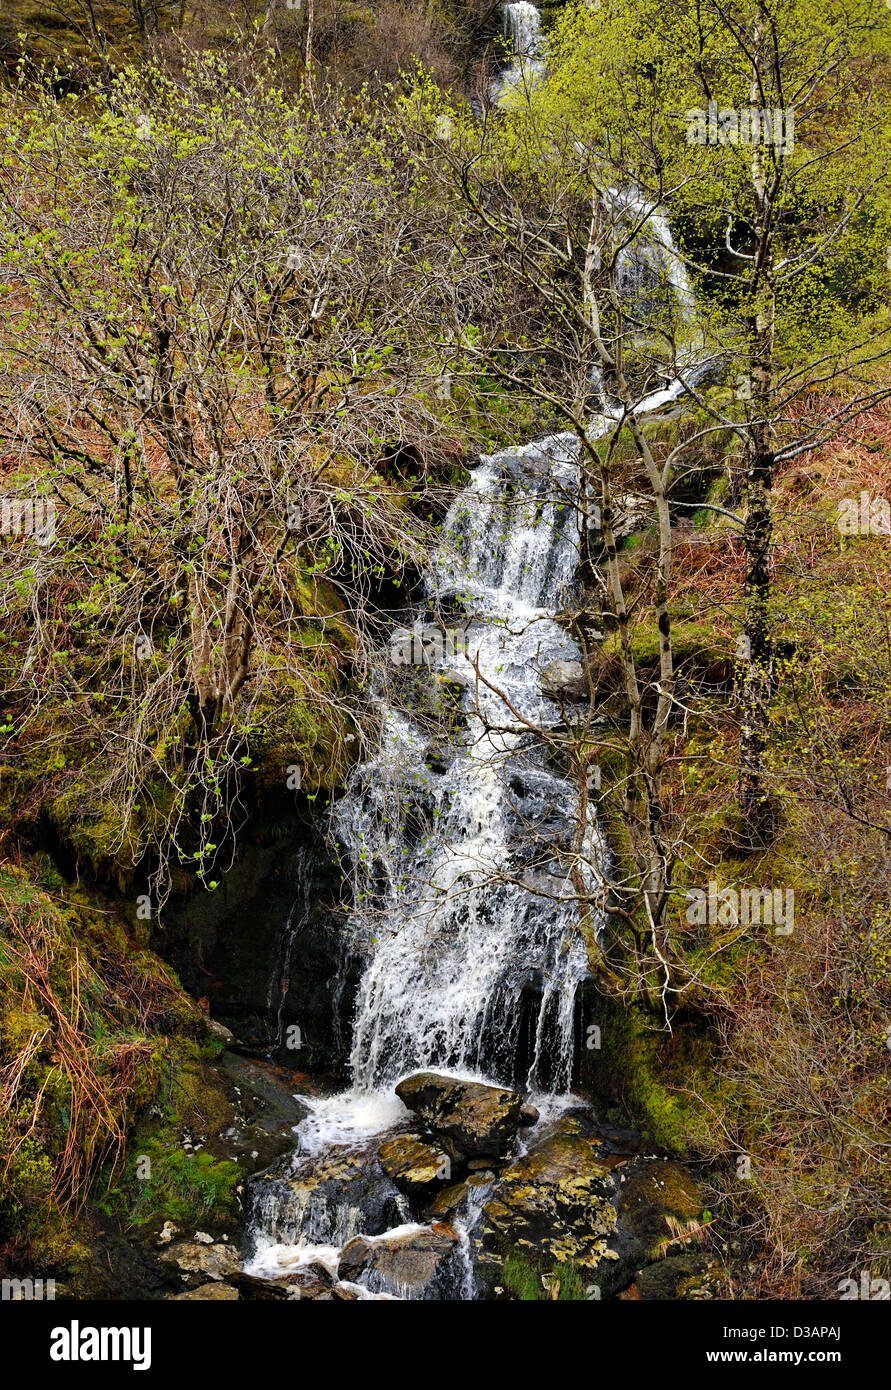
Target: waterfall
(653,252)
(522,26)
(653,280)
(522,30)
(446,854)
(466,969)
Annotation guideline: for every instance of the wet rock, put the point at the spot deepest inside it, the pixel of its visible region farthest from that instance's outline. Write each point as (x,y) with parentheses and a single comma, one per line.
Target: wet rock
(265,1290)
(565,679)
(261,1128)
(413,1165)
(439,757)
(208,1293)
(320,1274)
(354,1256)
(304,1281)
(209,1261)
(409,1262)
(582,1120)
(680,1277)
(455,1200)
(219,1030)
(450,1200)
(554,1204)
(307,1287)
(326,1201)
(272,908)
(659,1204)
(481,1120)
(528,1117)
(616,1139)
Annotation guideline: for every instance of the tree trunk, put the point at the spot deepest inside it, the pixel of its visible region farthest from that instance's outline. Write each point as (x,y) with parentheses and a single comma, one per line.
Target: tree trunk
(310,27)
(757,656)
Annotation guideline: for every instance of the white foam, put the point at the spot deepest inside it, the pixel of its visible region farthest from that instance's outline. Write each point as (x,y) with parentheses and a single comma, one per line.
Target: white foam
(349,1119)
(410,1228)
(271,1261)
(366,1295)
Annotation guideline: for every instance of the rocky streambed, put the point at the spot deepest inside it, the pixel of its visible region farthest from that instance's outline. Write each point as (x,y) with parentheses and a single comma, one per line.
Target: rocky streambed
(471,1193)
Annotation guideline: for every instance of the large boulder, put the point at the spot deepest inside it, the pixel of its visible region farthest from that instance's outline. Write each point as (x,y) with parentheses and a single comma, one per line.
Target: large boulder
(415,1262)
(480,1121)
(554,1205)
(324,1201)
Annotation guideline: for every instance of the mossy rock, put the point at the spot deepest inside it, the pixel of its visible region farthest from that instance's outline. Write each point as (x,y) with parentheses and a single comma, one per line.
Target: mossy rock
(123,1015)
(448,1202)
(415,1167)
(700,655)
(680,1277)
(553,1205)
(643,1076)
(659,1204)
(197,1262)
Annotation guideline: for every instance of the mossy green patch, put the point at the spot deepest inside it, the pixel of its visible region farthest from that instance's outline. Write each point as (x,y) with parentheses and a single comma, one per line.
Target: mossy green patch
(526,1280)
(105,1040)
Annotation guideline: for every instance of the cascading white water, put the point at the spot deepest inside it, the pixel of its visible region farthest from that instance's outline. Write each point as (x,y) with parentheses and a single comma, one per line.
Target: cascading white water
(653,281)
(522,30)
(652,277)
(522,26)
(653,251)
(445,881)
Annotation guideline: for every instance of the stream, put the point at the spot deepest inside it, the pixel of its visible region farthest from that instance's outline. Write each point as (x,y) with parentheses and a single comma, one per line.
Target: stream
(462,914)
